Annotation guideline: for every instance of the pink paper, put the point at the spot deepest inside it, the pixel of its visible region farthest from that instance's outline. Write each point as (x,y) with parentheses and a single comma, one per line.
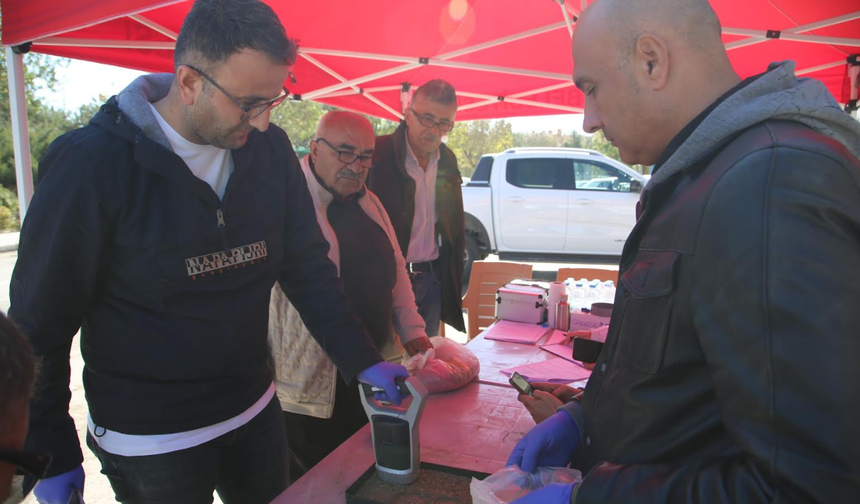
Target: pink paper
(552,370)
(516,332)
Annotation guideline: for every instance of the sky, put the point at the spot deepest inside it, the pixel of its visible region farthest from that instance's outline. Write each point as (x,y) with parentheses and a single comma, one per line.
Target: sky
(81,82)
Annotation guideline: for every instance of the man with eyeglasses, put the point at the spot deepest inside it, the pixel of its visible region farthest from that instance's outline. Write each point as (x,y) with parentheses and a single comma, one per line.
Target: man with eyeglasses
(417,180)
(160,229)
(322,410)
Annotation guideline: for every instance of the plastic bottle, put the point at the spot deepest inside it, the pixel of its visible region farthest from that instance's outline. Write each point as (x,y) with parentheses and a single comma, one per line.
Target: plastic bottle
(577,298)
(608,293)
(592,295)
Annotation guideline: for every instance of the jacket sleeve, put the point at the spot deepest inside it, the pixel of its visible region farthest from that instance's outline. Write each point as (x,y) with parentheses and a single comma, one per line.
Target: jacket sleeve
(310,281)
(62,242)
(407,321)
(775,305)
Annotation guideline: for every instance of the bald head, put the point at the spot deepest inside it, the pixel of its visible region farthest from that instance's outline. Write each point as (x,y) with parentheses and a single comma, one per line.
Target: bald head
(343,151)
(691,22)
(343,120)
(647,68)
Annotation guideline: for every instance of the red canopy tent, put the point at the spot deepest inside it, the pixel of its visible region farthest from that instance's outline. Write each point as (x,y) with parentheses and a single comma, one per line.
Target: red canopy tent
(505,57)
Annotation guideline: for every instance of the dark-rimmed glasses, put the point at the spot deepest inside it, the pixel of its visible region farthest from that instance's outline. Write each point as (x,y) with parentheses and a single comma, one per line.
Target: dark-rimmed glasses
(428,122)
(248,112)
(348,157)
(30,468)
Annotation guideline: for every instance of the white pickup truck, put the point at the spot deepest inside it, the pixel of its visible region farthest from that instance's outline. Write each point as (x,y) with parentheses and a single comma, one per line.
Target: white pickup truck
(549,203)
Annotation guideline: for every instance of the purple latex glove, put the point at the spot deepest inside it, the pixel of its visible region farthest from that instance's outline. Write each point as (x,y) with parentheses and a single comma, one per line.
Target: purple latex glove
(557,493)
(550,443)
(382,375)
(58,489)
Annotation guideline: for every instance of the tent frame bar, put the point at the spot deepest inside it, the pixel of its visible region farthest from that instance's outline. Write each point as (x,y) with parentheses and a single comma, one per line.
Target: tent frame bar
(797,29)
(787,35)
(20,128)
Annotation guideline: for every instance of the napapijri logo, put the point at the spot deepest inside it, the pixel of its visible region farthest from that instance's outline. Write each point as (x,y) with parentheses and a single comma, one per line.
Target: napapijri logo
(218,262)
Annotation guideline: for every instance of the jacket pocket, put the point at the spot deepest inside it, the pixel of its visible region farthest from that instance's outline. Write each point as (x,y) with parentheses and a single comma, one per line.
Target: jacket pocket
(649,285)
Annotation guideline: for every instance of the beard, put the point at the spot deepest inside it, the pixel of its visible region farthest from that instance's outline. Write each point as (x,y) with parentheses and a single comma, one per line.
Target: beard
(211,129)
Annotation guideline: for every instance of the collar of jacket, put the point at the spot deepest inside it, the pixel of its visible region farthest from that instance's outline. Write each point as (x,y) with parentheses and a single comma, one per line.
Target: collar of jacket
(154,156)
(447,161)
(332,195)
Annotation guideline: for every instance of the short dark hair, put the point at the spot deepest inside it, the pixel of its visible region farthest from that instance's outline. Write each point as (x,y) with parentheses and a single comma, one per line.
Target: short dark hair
(439,91)
(214,30)
(17,370)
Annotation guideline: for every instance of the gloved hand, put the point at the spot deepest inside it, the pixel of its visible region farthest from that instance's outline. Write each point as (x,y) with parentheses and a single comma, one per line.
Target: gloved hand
(58,489)
(382,375)
(557,493)
(550,443)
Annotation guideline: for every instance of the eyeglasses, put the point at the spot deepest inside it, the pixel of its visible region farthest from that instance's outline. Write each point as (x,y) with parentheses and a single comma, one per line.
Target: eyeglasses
(428,122)
(248,112)
(30,468)
(347,156)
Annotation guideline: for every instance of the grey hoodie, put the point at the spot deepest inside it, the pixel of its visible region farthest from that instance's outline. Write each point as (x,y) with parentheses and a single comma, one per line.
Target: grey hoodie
(777,94)
(134,101)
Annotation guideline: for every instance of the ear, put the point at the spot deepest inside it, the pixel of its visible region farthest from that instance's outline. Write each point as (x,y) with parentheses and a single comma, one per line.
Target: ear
(651,60)
(189,83)
(314,151)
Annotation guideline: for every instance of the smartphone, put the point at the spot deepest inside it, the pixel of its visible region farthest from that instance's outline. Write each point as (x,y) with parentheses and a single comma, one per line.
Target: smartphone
(521,384)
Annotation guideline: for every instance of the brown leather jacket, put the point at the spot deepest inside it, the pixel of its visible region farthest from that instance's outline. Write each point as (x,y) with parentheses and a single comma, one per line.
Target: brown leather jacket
(396,189)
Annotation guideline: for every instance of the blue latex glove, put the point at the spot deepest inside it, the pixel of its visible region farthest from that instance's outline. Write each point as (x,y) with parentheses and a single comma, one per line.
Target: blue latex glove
(550,443)
(382,375)
(58,489)
(557,493)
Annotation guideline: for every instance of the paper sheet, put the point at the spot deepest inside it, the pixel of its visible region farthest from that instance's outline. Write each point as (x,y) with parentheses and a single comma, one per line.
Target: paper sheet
(552,370)
(516,332)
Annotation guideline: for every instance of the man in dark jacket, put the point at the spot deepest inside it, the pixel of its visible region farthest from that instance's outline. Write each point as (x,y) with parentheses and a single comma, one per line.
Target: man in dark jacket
(159,229)
(729,373)
(417,180)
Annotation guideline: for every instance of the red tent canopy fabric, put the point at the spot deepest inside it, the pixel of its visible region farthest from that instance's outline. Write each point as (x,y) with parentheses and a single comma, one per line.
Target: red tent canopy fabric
(505,57)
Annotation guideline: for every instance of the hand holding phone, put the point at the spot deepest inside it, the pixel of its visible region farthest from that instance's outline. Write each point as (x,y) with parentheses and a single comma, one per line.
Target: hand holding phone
(521,384)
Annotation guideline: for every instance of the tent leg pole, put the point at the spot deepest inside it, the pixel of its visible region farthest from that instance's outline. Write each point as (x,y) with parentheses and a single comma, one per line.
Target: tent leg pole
(405,96)
(20,130)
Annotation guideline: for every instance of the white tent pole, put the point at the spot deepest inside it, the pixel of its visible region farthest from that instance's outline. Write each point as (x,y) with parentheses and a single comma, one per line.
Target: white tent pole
(154,26)
(339,77)
(360,80)
(785,35)
(20,130)
(504,40)
(490,100)
(566,18)
(405,96)
(498,69)
(820,67)
(107,44)
(797,29)
(409,66)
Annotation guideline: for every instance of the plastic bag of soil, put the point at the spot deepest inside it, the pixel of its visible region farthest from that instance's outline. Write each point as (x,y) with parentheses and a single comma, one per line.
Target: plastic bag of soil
(448,366)
(511,483)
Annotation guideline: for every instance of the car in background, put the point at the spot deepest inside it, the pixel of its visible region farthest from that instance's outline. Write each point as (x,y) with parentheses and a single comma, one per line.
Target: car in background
(549,203)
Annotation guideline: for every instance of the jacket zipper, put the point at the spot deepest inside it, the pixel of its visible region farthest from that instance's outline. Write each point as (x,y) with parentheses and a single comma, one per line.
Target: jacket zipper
(222,226)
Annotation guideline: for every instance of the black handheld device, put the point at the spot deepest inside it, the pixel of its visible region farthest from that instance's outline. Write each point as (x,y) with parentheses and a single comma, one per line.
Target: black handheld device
(521,384)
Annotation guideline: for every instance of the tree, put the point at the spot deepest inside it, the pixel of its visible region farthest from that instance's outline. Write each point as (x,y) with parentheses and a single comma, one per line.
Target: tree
(472,139)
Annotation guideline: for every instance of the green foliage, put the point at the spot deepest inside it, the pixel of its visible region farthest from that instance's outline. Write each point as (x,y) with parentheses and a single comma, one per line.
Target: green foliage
(8,210)
(472,139)
(299,119)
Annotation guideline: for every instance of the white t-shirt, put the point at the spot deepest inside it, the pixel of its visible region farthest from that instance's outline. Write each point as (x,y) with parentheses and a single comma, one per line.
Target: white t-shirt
(210,164)
(214,166)
(422,241)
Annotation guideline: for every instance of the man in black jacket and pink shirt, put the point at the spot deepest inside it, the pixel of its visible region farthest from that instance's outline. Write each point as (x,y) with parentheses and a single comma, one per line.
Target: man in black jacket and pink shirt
(159,230)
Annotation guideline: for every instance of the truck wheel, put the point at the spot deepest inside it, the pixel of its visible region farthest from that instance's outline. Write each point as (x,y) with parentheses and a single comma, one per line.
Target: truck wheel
(473,253)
